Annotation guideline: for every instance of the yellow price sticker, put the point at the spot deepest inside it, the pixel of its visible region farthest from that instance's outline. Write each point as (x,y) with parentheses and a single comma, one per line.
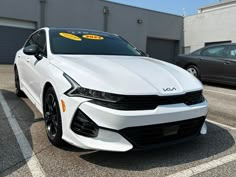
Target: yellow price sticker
(93,37)
(70,36)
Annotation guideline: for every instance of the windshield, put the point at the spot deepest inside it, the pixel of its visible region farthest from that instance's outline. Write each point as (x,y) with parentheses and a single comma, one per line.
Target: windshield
(89,43)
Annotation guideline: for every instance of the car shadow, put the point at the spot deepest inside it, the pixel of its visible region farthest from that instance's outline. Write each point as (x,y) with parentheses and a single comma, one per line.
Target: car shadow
(10,152)
(31,123)
(202,147)
(217,141)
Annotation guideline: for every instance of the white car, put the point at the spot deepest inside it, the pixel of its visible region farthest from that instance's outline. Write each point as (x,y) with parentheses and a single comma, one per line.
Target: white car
(97,91)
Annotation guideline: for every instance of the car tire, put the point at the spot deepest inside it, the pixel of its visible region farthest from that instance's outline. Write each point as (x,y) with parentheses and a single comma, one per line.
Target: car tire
(192,69)
(52,118)
(19,92)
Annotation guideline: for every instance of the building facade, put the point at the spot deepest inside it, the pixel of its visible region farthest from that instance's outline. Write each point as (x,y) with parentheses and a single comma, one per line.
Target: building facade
(212,25)
(158,34)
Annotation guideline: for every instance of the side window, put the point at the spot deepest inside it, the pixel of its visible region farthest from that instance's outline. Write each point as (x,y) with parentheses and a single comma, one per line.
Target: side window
(32,40)
(231,52)
(196,53)
(41,42)
(214,51)
(39,39)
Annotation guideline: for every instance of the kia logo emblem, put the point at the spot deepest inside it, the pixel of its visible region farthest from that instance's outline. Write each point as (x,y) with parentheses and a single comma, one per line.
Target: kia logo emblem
(169,89)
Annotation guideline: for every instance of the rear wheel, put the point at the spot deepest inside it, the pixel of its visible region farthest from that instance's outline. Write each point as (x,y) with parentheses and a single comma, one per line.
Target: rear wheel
(52,117)
(193,70)
(19,92)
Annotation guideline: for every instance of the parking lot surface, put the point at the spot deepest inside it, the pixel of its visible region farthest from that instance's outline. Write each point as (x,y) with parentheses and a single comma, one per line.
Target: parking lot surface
(26,151)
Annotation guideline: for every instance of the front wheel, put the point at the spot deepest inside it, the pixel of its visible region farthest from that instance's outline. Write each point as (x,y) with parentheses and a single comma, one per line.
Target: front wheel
(52,117)
(193,70)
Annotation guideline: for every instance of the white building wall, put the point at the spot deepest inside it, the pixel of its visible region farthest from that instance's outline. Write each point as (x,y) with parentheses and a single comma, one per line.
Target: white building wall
(212,26)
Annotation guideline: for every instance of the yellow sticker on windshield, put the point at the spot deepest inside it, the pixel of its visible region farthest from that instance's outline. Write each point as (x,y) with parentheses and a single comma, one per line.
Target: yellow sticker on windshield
(93,37)
(70,36)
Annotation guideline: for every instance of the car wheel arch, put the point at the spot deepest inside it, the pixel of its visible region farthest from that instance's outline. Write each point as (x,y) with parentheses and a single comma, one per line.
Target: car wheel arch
(194,65)
(56,83)
(47,85)
(190,64)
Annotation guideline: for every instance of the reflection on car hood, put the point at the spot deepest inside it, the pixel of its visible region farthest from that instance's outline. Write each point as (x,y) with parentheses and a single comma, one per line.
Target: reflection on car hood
(127,75)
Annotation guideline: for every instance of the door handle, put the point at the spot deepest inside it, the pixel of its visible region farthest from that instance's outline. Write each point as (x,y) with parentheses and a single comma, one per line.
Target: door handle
(28,59)
(19,56)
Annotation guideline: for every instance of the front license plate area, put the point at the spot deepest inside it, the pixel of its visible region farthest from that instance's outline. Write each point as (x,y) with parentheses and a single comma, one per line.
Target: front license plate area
(171,130)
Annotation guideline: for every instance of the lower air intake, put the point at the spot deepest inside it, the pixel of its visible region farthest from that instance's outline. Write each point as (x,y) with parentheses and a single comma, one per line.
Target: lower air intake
(162,133)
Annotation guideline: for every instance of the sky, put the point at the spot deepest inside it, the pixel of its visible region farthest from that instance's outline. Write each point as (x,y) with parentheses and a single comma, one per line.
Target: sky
(169,6)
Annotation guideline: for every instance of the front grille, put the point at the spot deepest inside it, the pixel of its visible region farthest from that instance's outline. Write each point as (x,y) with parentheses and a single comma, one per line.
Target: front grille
(162,133)
(152,101)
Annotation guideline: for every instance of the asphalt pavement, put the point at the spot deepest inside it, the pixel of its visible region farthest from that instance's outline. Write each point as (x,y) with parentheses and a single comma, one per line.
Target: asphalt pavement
(210,155)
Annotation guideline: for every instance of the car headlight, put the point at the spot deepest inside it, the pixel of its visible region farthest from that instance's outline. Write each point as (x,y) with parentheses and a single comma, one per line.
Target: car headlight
(77,91)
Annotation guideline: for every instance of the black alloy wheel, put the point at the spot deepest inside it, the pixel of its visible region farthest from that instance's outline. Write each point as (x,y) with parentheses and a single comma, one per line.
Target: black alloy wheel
(52,117)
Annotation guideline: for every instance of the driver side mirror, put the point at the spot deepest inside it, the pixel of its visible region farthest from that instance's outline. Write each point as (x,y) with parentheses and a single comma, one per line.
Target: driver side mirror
(31,50)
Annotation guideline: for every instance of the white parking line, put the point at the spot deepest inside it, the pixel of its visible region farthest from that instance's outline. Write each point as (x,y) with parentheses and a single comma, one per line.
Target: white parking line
(229,94)
(205,166)
(222,125)
(29,156)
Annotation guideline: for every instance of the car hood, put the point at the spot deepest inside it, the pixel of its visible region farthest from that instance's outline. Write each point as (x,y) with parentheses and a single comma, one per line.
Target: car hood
(127,75)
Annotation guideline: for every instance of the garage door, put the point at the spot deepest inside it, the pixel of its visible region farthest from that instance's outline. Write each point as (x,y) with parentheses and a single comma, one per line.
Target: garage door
(162,49)
(11,40)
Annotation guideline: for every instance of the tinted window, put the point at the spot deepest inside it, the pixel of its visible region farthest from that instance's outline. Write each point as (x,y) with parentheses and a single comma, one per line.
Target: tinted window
(89,43)
(41,41)
(197,53)
(214,51)
(32,40)
(38,39)
(231,53)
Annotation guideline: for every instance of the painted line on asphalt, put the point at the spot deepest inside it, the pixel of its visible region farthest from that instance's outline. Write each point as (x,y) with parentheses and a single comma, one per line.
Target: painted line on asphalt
(31,159)
(222,125)
(205,166)
(229,94)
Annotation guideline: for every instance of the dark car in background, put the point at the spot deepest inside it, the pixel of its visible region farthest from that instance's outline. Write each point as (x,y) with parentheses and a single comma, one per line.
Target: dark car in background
(216,63)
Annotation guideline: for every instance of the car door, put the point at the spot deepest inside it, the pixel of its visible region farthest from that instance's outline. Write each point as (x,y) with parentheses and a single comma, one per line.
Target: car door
(230,64)
(38,65)
(26,65)
(212,63)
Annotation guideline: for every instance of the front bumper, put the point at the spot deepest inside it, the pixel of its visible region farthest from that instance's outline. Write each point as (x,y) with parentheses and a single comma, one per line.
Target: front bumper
(113,123)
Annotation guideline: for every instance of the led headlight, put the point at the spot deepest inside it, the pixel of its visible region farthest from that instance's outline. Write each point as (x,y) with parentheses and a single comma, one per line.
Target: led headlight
(77,91)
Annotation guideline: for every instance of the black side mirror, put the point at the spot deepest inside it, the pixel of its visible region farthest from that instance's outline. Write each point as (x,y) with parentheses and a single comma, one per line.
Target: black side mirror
(31,50)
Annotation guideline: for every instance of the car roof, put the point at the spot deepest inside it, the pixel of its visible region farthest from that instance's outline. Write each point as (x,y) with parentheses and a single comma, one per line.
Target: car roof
(214,45)
(222,44)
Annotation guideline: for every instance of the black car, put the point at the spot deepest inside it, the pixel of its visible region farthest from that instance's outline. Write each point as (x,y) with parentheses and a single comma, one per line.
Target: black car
(216,63)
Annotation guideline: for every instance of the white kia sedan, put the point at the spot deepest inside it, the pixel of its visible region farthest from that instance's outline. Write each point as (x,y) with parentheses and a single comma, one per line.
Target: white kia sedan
(97,91)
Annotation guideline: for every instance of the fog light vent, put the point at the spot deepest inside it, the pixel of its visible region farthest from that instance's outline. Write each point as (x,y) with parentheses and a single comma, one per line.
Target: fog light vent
(83,125)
